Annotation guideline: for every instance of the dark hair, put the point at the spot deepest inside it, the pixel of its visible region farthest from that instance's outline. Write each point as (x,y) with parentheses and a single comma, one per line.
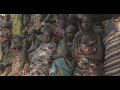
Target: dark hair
(31,30)
(48,28)
(64,18)
(73,19)
(92,17)
(2,67)
(8,25)
(7,15)
(71,27)
(24,31)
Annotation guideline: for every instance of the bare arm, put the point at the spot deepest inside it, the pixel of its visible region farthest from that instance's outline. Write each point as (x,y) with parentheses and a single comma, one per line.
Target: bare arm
(75,42)
(47,18)
(31,49)
(66,52)
(37,44)
(98,56)
(54,57)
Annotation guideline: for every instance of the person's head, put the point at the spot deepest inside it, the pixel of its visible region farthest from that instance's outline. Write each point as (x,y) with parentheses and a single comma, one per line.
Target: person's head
(73,19)
(80,18)
(7,17)
(31,23)
(88,22)
(24,34)
(8,25)
(16,42)
(2,17)
(70,32)
(47,34)
(53,19)
(62,21)
(2,68)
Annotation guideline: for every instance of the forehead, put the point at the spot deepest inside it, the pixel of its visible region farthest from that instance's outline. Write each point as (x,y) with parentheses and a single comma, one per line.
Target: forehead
(69,29)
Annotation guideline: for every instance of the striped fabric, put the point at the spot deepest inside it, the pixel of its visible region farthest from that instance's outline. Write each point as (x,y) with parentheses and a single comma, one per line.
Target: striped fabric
(58,32)
(112,53)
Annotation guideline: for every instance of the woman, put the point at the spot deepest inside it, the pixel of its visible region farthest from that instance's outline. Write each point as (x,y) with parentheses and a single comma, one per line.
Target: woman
(63,64)
(88,49)
(41,60)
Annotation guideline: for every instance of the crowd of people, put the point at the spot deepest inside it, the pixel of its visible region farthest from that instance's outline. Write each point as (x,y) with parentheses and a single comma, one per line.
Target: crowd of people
(60,45)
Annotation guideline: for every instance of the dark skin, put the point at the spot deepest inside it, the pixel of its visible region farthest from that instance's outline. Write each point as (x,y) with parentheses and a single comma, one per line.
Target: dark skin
(48,19)
(75,21)
(47,37)
(25,45)
(67,38)
(42,39)
(7,20)
(24,36)
(62,21)
(38,41)
(17,45)
(2,68)
(88,34)
(31,39)
(7,25)
(27,18)
(7,69)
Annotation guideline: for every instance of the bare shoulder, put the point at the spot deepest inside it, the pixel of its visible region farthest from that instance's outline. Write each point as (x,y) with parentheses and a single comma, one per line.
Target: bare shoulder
(98,37)
(78,34)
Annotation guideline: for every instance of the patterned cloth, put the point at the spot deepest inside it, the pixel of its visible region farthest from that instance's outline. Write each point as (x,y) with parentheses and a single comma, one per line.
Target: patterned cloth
(58,32)
(62,66)
(84,67)
(112,50)
(41,61)
(16,63)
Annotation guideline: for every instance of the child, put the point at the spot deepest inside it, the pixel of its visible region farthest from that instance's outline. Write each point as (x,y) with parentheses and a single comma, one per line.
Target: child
(88,49)
(63,64)
(41,61)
